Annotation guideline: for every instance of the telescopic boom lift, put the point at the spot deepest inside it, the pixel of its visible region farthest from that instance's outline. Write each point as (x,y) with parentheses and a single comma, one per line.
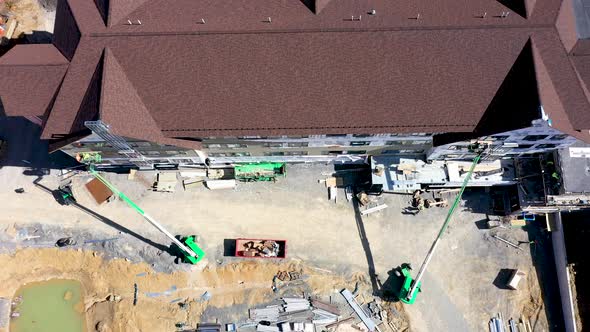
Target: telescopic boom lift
(411,287)
(192,253)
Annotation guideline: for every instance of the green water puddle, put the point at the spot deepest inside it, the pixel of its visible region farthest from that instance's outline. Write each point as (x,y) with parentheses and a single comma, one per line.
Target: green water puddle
(48,306)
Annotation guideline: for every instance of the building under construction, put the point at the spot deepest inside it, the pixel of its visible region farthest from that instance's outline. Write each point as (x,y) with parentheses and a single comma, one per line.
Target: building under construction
(145,83)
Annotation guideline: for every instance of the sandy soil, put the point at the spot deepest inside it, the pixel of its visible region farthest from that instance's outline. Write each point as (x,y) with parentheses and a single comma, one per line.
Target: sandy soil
(246,283)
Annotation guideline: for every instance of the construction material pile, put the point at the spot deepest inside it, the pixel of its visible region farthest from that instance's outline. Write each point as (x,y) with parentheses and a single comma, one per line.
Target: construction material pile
(294,314)
(498,324)
(265,248)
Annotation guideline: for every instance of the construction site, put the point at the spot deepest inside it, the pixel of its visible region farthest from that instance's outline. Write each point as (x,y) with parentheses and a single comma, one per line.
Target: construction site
(329,247)
(67,225)
(195,168)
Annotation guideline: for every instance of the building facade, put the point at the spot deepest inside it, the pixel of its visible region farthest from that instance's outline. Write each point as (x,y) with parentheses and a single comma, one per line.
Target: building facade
(189,83)
(540,137)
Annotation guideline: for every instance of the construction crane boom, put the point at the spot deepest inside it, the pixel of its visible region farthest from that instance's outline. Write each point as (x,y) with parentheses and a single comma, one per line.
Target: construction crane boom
(192,252)
(411,287)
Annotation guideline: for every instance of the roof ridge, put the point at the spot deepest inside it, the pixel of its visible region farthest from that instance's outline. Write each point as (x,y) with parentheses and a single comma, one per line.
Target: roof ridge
(34,65)
(338,30)
(326,127)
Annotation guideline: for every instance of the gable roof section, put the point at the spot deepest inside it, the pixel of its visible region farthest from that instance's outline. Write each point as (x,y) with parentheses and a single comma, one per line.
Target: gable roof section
(240,16)
(516,102)
(66,34)
(515,105)
(563,77)
(306,72)
(63,118)
(120,10)
(87,16)
(103,9)
(320,82)
(566,25)
(31,75)
(530,7)
(551,101)
(315,6)
(582,67)
(520,7)
(125,112)
(33,55)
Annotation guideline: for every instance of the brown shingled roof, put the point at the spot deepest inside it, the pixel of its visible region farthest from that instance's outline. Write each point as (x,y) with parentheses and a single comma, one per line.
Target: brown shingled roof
(306,71)
(552,103)
(33,55)
(122,106)
(77,81)
(318,81)
(30,76)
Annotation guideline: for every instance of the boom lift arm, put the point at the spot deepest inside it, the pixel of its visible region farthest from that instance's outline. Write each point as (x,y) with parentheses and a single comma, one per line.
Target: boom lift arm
(192,252)
(411,287)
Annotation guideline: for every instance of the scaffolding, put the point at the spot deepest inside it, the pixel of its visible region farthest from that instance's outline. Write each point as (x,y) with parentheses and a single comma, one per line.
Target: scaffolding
(101,129)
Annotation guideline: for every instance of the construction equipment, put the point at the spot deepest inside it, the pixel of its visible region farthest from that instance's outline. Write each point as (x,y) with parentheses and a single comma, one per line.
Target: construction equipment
(259,171)
(192,253)
(65,241)
(411,287)
(88,157)
(65,195)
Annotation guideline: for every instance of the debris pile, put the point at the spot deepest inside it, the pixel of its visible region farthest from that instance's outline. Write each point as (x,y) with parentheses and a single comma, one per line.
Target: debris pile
(291,275)
(283,278)
(419,203)
(300,314)
(265,248)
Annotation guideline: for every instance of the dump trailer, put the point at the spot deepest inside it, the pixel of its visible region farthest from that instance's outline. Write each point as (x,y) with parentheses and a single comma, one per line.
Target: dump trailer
(259,171)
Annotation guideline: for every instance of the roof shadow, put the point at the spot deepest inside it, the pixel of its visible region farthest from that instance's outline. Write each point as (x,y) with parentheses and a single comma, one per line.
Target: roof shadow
(516,103)
(517,6)
(103,9)
(24,147)
(89,108)
(514,106)
(315,6)
(36,37)
(66,32)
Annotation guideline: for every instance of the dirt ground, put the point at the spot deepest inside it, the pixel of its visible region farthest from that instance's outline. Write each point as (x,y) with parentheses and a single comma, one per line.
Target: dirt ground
(159,294)
(32,16)
(464,282)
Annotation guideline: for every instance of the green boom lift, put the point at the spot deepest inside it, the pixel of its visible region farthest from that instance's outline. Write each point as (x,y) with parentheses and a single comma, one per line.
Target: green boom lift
(410,287)
(191,252)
